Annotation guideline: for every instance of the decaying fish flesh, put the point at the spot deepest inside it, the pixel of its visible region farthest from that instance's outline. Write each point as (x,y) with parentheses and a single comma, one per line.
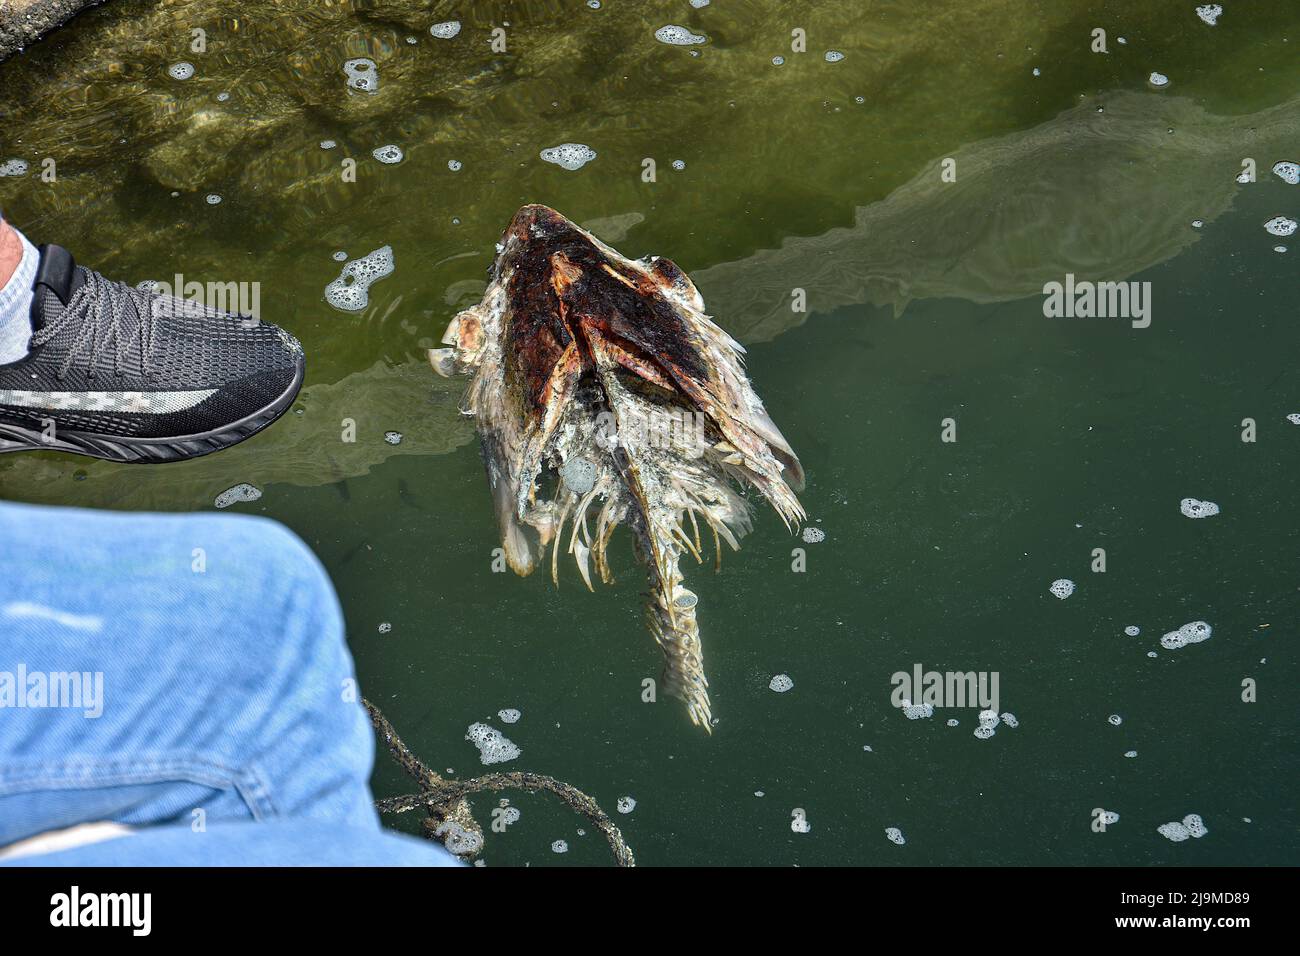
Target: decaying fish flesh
(603,395)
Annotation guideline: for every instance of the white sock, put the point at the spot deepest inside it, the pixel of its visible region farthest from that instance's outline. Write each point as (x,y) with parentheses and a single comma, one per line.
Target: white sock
(16,305)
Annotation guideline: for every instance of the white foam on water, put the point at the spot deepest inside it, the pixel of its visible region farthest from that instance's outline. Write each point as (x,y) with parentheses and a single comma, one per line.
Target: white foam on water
(1191,633)
(985,731)
(1109,816)
(1158,80)
(569,155)
(393,438)
(453,165)
(799,823)
(1173,831)
(339,256)
(989,718)
(385,627)
(1195,508)
(1037,72)
(1062,588)
(510,814)
(917,711)
(13,167)
(1210,13)
(1152,654)
(1197,223)
(953,722)
(240,492)
(780,683)
(180,71)
(1132,630)
(1279,248)
(222,97)
(349,291)
(813,535)
(362,74)
(493,746)
(1294,418)
(679,164)
(457,839)
(1010,720)
(833,56)
(445,30)
(594,4)
(697,4)
(1115,720)
(778,60)
(559,846)
(327,144)
(895,835)
(509,715)
(1280,226)
(1288,172)
(579,474)
(1130,753)
(866,748)
(388,154)
(674,35)
(1243,177)
(212,199)
(626,804)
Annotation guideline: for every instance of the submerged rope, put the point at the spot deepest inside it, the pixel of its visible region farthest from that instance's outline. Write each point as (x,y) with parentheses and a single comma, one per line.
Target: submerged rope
(445,800)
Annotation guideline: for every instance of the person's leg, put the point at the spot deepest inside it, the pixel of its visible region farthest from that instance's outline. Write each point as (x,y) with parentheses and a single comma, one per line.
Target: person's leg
(18,262)
(212,675)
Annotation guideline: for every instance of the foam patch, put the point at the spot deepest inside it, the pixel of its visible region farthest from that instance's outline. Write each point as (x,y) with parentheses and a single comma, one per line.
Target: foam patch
(393,438)
(509,715)
(241,492)
(445,30)
(13,167)
(626,804)
(674,35)
(813,535)
(493,746)
(180,71)
(1194,508)
(1289,173)
(781,683)
(1158,80)
(1062,588)
(895,835)
(1280,226)
(388,155)
(1210,13)
(349,292)
(362,75)
(569,155)
(1191,633)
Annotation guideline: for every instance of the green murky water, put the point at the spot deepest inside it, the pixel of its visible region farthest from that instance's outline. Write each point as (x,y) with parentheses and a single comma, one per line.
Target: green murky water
(924,303)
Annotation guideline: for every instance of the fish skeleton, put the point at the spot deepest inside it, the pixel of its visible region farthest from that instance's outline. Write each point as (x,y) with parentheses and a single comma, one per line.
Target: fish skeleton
(603,395)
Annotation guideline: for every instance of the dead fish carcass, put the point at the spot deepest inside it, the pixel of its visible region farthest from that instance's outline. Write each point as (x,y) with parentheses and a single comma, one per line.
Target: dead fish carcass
(603,395)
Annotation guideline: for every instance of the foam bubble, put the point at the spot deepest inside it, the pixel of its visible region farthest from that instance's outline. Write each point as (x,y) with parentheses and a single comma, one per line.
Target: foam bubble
(799,823)
(989,718)
(679,164)
(559,846)
(393,438)
(445,30)
(385,627)
(1243,177)
(1109,816)
(1210,13)
(813,535)
(778,60)
(180,71)
(327,144)
(388,154)
(349,291)
(1132,630)
(13,167)
(1010,720)
(626,804)
(457,839)
(1280,226)
(1198,223)
(339,256)
(212,199)
(362,74)
(1158,80)
(917,711)
(953,722)
(1062,588)
(1279,248)
(493,746)
(222,97)
(1173,831)
(453,165)
(1115,720)
(780,683)
(569,155)
(895,835)
(1130,753)
(834,56)
(1191,633)
(984,731)
(240,492)
(697,4)
(1288,172)
(1294,418)
(1194,508)
(678,36)
(509,715)
(594,4)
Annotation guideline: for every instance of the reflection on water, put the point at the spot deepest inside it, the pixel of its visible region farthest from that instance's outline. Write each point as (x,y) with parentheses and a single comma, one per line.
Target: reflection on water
(923,303)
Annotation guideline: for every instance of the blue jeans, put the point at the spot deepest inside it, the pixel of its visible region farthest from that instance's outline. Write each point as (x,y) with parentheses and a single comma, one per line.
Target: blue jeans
(186,676)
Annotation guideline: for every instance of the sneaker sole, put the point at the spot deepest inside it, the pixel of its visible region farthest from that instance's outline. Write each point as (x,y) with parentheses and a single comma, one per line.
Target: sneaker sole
(153,450)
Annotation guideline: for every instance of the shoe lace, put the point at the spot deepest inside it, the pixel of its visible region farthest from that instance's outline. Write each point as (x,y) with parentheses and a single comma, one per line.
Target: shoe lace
(100,328)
